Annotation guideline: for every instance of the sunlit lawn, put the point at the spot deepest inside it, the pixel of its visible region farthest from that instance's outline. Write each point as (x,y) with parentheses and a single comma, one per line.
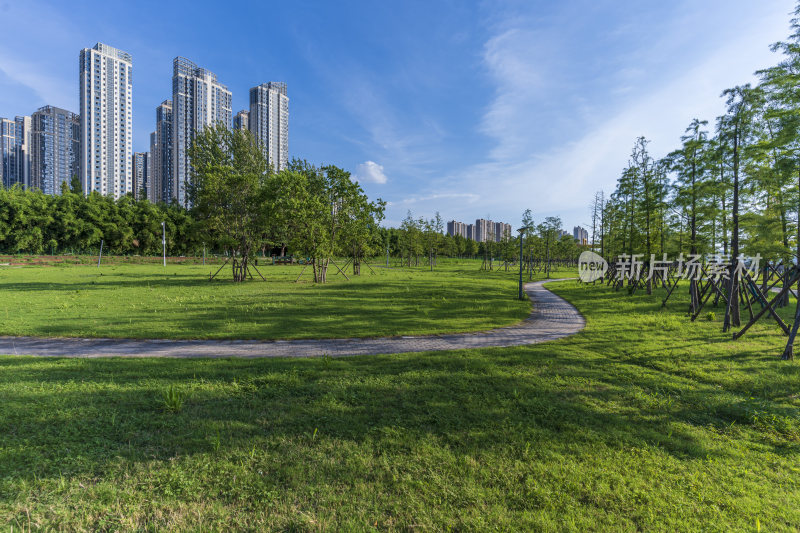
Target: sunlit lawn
(179,302)
(643,422)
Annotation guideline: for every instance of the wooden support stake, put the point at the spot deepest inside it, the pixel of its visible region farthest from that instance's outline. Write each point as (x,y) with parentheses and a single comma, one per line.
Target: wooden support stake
(301,273)
(220,268)
(769,308)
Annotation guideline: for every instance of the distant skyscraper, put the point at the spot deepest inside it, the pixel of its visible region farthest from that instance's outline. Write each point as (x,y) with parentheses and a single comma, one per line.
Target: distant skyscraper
(15,147)
(141,167)
(148,189)
(161,182)
(106,93)
(198,100)
(501,229)
(55,148)
(269,121)
(455,227)
(240,121)
(484,230)
(580,235)
(471,232)
(8,157)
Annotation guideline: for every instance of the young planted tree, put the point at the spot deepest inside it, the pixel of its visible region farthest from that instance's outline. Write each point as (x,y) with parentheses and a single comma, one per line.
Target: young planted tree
(229,192)
(781,84)
(359,236)
(324,211)
(689,165)
(735,128)
(549,231)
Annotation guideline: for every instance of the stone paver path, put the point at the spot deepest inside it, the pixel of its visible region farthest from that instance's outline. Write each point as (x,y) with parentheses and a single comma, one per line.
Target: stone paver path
(552,318)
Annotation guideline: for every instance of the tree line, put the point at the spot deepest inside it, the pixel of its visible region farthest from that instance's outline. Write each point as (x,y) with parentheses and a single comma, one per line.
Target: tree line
(241,208)
(419,241)
(35,223)
(731,187)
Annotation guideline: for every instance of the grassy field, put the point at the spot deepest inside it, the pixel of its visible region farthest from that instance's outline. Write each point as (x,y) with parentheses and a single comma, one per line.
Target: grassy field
(641,422)
(178,302)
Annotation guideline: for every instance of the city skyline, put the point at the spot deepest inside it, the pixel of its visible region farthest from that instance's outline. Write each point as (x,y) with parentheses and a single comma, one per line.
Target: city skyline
(46,149)
(438,121)
(482,230)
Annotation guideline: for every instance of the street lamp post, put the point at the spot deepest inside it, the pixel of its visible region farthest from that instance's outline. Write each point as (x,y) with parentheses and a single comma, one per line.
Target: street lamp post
(521,238)
(164,242)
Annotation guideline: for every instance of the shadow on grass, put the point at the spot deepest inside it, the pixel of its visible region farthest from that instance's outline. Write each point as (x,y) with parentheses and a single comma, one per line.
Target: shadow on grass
(81,416)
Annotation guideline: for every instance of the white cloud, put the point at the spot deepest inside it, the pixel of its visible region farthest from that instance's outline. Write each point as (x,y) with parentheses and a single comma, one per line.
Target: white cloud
(370,172)
(558,176)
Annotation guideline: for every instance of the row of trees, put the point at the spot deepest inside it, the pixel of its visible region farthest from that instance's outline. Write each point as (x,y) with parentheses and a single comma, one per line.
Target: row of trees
(240,207)
(244,206)
(33,222)
(418,240)
(731,187)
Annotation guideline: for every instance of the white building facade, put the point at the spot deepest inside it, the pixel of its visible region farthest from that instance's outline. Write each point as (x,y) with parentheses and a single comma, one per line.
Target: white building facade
(106,114)
(269,121)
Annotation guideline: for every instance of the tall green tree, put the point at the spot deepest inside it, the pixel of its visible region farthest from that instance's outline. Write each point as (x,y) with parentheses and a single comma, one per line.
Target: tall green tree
(229,192)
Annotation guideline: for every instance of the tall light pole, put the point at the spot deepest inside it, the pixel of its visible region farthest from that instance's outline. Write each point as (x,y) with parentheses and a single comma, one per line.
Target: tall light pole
(164,242)
(521,238)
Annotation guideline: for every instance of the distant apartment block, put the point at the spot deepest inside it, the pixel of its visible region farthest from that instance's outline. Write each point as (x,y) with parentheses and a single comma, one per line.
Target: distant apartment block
(141,167)
(106,87)
(15,138)
(482,231)
(147,190)
(580,235)
(457,228)
(55,148)
(198,100)
(160,183)
(240,121)
(501,231)
(269,121)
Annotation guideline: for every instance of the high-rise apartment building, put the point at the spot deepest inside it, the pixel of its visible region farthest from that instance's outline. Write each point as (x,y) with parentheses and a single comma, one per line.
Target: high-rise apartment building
(161,183)
(580,235)
(15,136)
(501,231)
(141,167)
(240,121)
(148,190)
(455,227)
(106,103)
(198,100)
(8,153)
(55,148)
(269,121)
(484,230)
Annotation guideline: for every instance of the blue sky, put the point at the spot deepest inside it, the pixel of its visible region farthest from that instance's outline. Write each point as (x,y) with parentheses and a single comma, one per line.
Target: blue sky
(471,109)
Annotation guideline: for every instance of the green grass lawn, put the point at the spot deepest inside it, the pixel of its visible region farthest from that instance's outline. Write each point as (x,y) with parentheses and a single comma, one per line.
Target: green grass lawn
(178,302)
(643,422)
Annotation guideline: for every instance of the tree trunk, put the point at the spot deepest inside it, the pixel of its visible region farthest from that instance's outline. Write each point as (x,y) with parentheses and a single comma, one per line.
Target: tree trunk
(732,318)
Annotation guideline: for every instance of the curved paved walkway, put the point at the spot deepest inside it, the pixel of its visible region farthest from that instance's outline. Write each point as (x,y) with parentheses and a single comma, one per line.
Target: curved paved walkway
(552,318)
